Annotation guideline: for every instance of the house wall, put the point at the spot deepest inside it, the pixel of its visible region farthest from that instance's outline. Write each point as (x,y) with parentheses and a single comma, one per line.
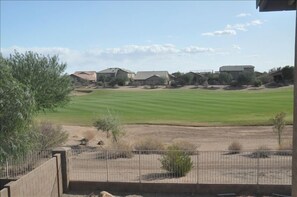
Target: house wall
(46,180)
(155,80)
(122,74)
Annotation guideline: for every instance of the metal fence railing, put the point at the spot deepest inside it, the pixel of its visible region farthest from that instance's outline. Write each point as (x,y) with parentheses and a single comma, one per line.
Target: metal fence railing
(15,168)
(211,167)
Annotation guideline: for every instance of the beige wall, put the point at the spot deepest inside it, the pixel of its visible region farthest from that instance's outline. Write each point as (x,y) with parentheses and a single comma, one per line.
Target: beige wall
(4,192)
(46,180)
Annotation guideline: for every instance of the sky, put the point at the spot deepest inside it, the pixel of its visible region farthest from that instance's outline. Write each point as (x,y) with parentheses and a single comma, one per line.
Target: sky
(149,35)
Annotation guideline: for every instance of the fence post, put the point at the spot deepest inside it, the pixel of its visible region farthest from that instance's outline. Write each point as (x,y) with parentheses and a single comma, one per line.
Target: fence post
(139,167)
(65,165)
(106,163)
(7,170)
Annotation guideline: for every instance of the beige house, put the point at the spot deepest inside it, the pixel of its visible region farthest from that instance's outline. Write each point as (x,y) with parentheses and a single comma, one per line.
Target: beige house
(88,76)
(152,78)
(235,70)
(110,73)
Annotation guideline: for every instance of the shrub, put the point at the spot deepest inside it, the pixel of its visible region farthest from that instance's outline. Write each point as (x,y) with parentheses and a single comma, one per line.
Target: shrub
(149,145)
(261,152)
(50,135)
(117,150)
(235,148)
(176,161)
(110,123)
(186,146)
(257,83)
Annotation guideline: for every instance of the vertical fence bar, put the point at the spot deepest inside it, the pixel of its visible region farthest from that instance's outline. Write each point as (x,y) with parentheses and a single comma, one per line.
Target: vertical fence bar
(258,166)
(139,167)
(106,162)
(197,165)
(7,171)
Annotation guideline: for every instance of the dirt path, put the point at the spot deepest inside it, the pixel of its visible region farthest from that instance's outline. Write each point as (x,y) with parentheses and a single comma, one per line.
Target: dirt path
(207,138)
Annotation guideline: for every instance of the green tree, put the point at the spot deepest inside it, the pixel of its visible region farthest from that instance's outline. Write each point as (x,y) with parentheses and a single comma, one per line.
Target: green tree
(288,73)
(43,76)
(246,78)
(109,123)
(279,124)
(16,109)
(28,83)
(225,78)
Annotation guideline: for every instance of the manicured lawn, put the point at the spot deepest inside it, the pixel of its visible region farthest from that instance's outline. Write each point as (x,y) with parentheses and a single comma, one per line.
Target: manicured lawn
(178,106)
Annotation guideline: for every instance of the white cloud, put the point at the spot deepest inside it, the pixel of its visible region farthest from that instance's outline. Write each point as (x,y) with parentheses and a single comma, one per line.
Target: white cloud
(235,46)
(255,22)
(194,49)
(232,29)
(243,15)
(220,33)
(158,55)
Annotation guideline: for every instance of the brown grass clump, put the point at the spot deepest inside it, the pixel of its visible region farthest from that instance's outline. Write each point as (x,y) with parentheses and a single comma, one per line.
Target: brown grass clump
(149,146)
(89,135)
(121,150)
(235,148)
(186,146)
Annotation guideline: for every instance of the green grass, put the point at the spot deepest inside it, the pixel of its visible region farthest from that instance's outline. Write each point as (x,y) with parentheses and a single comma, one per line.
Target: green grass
(178,107)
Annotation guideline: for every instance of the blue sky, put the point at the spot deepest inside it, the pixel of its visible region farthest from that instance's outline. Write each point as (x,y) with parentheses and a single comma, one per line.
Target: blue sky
(150,35)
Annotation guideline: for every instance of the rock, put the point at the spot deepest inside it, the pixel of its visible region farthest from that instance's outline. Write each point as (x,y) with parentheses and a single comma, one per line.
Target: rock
(105,194)
(100,143)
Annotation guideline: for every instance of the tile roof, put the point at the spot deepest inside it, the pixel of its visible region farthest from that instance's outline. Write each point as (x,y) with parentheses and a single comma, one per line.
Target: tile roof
(142,75)
(87,75)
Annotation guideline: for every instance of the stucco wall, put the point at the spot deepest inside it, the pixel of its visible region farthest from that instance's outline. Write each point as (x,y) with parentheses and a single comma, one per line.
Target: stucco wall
(42,181)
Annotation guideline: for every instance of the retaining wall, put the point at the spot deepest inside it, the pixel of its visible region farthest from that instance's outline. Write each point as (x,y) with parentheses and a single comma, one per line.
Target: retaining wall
(178,188)
(46,180)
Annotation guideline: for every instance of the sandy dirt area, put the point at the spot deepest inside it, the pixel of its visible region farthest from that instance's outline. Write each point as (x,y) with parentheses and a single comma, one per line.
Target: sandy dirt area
(206,138)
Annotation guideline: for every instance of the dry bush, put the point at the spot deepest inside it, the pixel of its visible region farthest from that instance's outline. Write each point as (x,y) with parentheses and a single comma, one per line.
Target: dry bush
(149,145)
(117,150)
(50,135)
(261,152)
(89,135)
(235,148)
(186,146)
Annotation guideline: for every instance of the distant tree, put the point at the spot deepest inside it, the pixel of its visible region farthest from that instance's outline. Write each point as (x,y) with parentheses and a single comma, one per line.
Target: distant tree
(265,78)
(279,124)
(246,78)
(288,73)
(43,76)
(225,78)
(213,78)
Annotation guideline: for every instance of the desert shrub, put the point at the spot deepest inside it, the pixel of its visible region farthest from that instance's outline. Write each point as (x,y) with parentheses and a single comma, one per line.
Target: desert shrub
(49,135)
(176,161)
(110,123)
(235,148)
(186,146)
(117,150)
(261,152)
(149,145)
(257,83)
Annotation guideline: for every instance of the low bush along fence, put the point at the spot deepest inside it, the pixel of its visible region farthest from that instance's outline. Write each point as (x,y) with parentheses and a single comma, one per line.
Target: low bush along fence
(209,167)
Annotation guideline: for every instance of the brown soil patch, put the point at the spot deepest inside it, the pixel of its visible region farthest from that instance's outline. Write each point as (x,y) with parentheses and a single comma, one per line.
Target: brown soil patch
(207,138)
